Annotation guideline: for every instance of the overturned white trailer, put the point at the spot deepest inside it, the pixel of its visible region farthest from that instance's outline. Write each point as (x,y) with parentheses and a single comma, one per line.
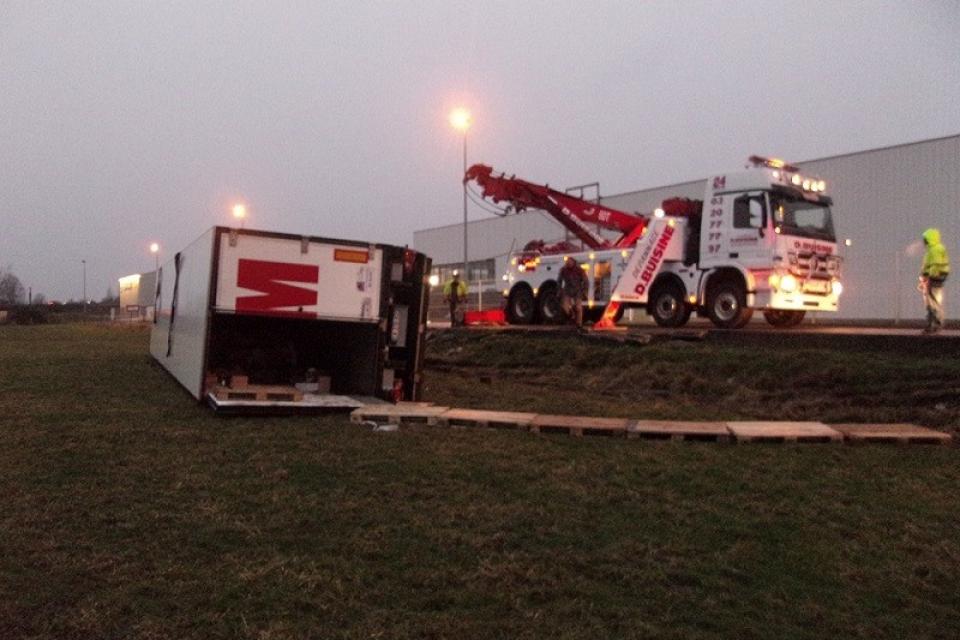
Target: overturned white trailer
(255,321)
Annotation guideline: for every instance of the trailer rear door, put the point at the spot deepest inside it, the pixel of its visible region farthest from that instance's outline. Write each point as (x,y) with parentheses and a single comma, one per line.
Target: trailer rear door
(283,276)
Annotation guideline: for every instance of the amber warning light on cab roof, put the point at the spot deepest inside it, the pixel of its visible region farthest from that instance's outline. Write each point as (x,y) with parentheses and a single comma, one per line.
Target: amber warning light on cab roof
(789,174)
(772,163)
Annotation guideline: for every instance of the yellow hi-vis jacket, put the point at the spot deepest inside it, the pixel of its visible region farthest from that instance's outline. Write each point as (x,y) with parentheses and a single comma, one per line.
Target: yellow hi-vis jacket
(936,262)
(460,292)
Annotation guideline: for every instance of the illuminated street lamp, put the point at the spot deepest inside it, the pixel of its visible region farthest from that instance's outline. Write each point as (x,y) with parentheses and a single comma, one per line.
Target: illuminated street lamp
(460,120)
(240,212)
(155,250)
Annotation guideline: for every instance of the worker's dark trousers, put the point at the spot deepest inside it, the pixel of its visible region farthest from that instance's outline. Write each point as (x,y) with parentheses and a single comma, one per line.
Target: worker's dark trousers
(934,300)
(453,313)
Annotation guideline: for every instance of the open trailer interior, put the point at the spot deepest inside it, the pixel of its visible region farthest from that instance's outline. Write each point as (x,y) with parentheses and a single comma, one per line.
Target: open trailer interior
(253,321)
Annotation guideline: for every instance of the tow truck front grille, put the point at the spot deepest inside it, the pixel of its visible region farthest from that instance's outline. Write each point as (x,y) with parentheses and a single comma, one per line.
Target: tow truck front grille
(814,265)
(816,287)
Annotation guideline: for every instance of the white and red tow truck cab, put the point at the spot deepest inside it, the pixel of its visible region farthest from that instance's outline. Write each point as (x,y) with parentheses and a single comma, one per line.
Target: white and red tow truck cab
(761,239)
(772,226)
(280,310)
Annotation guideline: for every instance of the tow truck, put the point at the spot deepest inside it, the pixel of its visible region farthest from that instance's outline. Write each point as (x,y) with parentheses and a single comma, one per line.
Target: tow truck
(761,239)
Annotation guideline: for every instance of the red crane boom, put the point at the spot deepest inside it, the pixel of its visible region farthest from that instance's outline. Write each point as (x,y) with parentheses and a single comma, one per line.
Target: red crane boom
(575,214)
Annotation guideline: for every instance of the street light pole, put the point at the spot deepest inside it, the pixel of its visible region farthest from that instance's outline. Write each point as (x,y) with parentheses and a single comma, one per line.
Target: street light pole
(466,261)
(84,262)
(460,120)
(896,263)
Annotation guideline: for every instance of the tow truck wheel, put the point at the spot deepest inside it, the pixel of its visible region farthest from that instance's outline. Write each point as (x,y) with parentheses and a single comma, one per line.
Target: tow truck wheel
(668,307)
(727,306)
(548,306)
(521,306)
(783,317)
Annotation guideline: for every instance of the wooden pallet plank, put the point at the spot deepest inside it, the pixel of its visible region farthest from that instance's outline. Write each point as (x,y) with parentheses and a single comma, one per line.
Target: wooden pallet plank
(771,431)
(579,425)
(486,419)
(679,430)
(900,433)
(399,413)
(259,393)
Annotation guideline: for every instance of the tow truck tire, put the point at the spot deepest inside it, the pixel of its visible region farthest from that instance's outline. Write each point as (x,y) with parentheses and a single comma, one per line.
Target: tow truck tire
(668,307)
(784,317)
(548,306)
(521,306)
(727,305)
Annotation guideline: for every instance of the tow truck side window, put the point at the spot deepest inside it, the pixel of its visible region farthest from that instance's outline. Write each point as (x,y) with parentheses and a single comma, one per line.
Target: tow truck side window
(749,211)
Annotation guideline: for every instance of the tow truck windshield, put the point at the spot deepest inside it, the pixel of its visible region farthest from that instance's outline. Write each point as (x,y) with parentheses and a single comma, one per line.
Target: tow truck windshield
(799,217)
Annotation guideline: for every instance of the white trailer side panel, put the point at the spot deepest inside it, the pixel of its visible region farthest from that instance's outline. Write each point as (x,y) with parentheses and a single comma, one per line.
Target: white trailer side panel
(264,274)
(179,336)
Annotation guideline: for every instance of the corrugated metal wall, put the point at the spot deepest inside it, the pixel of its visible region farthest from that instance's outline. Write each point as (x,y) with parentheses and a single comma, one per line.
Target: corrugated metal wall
(884,199)
(487,238)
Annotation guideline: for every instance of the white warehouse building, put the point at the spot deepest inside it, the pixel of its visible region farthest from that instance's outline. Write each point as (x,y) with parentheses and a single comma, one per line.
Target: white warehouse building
(883,199)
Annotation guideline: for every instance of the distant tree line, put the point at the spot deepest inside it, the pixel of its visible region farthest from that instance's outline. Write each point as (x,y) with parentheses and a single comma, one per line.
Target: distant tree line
(15,306)
(11,289)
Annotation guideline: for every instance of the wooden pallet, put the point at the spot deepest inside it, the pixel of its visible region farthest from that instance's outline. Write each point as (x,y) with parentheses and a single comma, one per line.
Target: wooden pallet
(258,393)
(579,425)
(894,433)
(485,419)
(670,430)
(401,413)
(756,431)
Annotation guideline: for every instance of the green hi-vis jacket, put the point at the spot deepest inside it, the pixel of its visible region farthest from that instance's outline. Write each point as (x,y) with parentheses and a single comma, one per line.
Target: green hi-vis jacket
(459,292)
(936,262)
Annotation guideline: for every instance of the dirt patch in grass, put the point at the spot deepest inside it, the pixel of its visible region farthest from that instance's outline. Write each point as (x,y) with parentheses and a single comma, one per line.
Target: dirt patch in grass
(843,380)
(129,511)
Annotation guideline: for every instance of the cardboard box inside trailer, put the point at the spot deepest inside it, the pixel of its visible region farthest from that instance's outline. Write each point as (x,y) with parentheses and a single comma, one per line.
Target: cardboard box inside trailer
(258,320)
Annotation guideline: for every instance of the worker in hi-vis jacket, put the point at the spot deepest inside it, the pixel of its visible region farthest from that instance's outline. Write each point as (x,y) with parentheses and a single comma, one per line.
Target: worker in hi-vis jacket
(454,292)
(572,282)
(936,268)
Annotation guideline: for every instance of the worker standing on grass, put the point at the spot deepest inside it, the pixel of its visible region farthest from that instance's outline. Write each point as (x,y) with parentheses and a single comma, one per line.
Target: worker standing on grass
(936,268)
(573,287)
(454,292)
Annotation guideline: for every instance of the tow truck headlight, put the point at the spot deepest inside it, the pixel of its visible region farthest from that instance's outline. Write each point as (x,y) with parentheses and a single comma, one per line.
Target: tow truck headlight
(774,280)
(788,284)
(434,280)
(837,287)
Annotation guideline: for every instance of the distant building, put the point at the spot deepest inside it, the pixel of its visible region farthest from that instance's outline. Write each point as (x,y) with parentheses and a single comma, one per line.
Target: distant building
(883,199)
(137,294)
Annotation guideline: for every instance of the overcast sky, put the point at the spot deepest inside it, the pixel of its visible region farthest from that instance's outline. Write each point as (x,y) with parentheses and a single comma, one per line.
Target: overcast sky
(123,123)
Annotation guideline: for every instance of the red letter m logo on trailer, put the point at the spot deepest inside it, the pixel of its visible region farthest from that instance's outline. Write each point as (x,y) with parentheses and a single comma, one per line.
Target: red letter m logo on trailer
(271,279)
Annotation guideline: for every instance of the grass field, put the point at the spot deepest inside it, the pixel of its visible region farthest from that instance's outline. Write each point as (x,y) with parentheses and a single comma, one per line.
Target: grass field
(131,512)
(772,376)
